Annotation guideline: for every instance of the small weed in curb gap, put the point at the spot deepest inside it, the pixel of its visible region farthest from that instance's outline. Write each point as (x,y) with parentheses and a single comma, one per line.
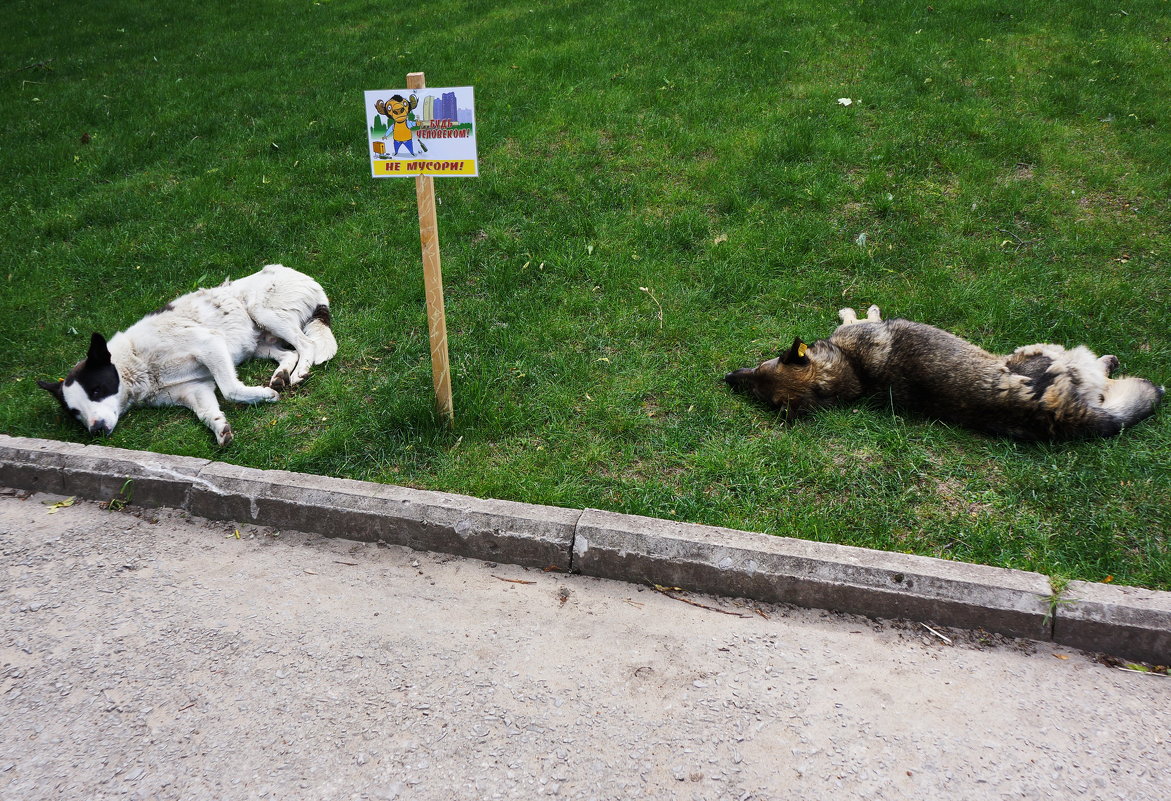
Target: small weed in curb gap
(122,499)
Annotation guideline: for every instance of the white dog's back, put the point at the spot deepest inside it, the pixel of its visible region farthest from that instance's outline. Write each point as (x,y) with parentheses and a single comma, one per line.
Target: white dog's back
(297,296)
(277,287)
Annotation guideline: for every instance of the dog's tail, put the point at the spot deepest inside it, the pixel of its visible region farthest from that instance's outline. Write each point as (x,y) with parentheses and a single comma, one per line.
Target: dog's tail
(319,330)
(1130,400)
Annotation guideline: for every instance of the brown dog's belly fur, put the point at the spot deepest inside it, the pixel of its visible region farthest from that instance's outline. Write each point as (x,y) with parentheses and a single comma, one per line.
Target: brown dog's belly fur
(932,372)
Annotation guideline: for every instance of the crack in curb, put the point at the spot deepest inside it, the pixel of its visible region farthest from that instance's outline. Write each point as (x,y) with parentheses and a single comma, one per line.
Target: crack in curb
(571,557)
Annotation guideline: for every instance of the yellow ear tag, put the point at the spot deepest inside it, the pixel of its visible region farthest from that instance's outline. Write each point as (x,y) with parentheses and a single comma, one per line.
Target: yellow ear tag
(801,350)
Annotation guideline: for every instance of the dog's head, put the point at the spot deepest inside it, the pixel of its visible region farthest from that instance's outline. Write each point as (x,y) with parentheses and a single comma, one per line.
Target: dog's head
(91,392)
(787,382)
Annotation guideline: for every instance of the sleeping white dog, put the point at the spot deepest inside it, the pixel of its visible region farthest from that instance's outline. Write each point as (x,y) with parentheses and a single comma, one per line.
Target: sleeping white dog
(179,354)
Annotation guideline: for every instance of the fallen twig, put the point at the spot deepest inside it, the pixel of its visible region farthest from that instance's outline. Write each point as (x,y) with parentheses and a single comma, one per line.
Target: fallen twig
(751,608)
(44,64)
(1020,243)
(512,581)
(650,292)
(936,633)
(668,591)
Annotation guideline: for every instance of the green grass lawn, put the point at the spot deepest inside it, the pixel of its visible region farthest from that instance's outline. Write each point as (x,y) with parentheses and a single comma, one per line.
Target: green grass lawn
(668,191)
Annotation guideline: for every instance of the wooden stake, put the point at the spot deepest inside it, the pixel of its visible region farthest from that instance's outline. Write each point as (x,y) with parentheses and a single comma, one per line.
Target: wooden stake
(433,282)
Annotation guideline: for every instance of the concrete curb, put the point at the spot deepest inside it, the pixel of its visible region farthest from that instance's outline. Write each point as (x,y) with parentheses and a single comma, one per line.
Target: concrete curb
(99,473)
(1122,621)
(502,531)
(847,579)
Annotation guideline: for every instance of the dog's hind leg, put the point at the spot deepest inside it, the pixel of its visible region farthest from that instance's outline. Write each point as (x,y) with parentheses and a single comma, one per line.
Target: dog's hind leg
(850,317)
(286,326)
(200,398)
(286,359)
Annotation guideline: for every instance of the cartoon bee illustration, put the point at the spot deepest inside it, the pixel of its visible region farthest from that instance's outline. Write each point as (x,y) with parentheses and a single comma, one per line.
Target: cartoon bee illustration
(398,111)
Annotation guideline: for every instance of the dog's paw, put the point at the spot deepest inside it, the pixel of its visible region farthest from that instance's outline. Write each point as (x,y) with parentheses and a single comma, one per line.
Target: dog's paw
(850,317)
(223,436)
(1109,364)
(255,395)
(280,381)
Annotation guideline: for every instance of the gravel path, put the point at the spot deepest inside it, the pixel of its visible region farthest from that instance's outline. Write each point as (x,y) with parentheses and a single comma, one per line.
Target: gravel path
(145,654)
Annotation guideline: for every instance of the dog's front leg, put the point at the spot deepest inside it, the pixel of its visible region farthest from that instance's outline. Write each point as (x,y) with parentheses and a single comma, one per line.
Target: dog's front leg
(200,398)
(213,354)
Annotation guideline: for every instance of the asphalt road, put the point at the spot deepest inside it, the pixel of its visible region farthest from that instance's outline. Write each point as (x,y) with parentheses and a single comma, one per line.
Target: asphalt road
(145,654)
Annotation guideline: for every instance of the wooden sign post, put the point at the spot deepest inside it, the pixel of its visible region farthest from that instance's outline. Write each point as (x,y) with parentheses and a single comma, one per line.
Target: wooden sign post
(442,125)
(433,283)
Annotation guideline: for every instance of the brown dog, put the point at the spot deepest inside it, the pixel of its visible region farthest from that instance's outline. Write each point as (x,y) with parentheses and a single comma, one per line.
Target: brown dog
(1036,392)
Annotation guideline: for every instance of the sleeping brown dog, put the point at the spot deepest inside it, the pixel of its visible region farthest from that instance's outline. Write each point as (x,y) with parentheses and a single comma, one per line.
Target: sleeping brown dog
(1036,392)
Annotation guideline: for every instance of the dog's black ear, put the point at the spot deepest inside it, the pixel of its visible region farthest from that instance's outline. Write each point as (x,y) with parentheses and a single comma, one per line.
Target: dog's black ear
(52,387)
(99,353)
(796,354)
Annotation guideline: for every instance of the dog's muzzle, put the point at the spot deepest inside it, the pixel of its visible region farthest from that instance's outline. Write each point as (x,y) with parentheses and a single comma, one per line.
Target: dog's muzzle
(739,379)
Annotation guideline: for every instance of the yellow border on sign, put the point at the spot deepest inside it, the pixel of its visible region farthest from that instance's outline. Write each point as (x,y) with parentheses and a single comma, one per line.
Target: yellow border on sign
(391,168)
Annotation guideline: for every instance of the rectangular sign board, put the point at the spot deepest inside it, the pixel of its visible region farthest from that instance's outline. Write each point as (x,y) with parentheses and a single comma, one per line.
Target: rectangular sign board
(422,132)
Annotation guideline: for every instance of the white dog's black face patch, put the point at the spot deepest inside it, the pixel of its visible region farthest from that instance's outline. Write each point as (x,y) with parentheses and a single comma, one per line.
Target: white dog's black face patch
(90,392)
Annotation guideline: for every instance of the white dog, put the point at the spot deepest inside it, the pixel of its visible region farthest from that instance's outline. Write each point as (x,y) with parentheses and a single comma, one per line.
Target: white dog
(179,354)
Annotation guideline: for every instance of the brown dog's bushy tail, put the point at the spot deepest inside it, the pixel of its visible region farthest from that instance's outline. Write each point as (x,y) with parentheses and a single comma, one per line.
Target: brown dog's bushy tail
(1131,400)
